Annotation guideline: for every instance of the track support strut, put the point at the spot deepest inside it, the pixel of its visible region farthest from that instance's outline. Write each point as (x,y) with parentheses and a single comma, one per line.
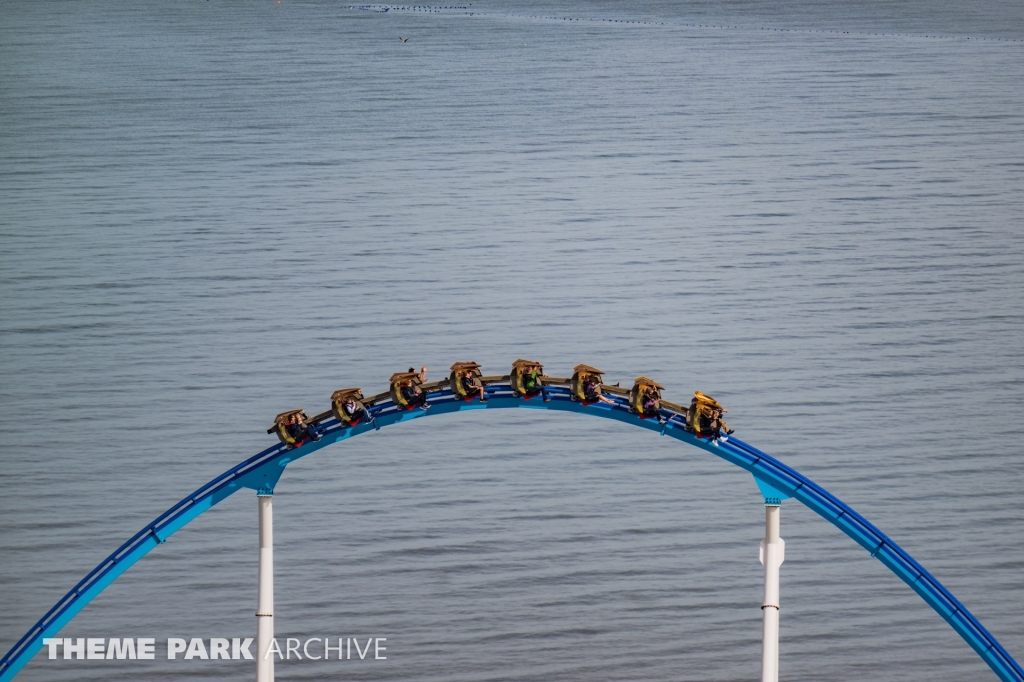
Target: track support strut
(265,603)
(773,553)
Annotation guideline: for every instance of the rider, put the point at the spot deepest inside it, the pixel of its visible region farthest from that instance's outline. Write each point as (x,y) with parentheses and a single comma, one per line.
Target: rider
(706,420)
(649,401)
(472,385)
(592,390)
(300,431)
(413,394)
(719,423)
(354,410)
(532,382)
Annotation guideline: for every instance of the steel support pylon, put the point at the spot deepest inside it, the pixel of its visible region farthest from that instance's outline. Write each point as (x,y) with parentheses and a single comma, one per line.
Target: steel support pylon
(773,553)
(265,603)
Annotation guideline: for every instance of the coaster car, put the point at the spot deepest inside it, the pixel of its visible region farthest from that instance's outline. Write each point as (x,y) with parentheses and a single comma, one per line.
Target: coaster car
(585,384)
(525,378)
(645,398)
(406,391)
(704,417)
(292,428)
(347,406)
(466,380)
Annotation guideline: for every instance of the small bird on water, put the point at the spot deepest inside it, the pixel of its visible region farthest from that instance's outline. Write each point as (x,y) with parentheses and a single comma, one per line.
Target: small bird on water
(404,40)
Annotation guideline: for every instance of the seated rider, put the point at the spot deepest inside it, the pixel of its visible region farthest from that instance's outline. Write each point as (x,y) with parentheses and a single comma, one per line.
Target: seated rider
(413,395)
(705,419)
(472,385)
(645,399)
(300,431)
(706,422)
(649,401)
(592,390)
(533,384)
(719,423)
(354,410)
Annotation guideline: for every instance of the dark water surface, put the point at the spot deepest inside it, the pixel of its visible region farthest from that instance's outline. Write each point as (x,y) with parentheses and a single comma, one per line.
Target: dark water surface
(214,211)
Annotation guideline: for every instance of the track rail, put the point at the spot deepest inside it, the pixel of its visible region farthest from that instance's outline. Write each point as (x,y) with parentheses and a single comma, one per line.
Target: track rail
(262,471)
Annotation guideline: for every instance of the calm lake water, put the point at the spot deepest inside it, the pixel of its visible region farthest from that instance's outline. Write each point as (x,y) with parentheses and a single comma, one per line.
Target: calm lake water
(211,212)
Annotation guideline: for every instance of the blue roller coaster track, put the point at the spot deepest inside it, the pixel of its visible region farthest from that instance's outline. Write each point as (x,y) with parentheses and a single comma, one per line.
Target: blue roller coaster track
(776,481)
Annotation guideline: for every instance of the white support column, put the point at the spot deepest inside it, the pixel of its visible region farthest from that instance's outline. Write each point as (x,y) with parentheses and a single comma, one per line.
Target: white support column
(265,604)
(773,553)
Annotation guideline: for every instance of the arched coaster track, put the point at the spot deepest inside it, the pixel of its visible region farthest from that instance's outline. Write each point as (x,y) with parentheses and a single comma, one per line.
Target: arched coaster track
(776,480)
